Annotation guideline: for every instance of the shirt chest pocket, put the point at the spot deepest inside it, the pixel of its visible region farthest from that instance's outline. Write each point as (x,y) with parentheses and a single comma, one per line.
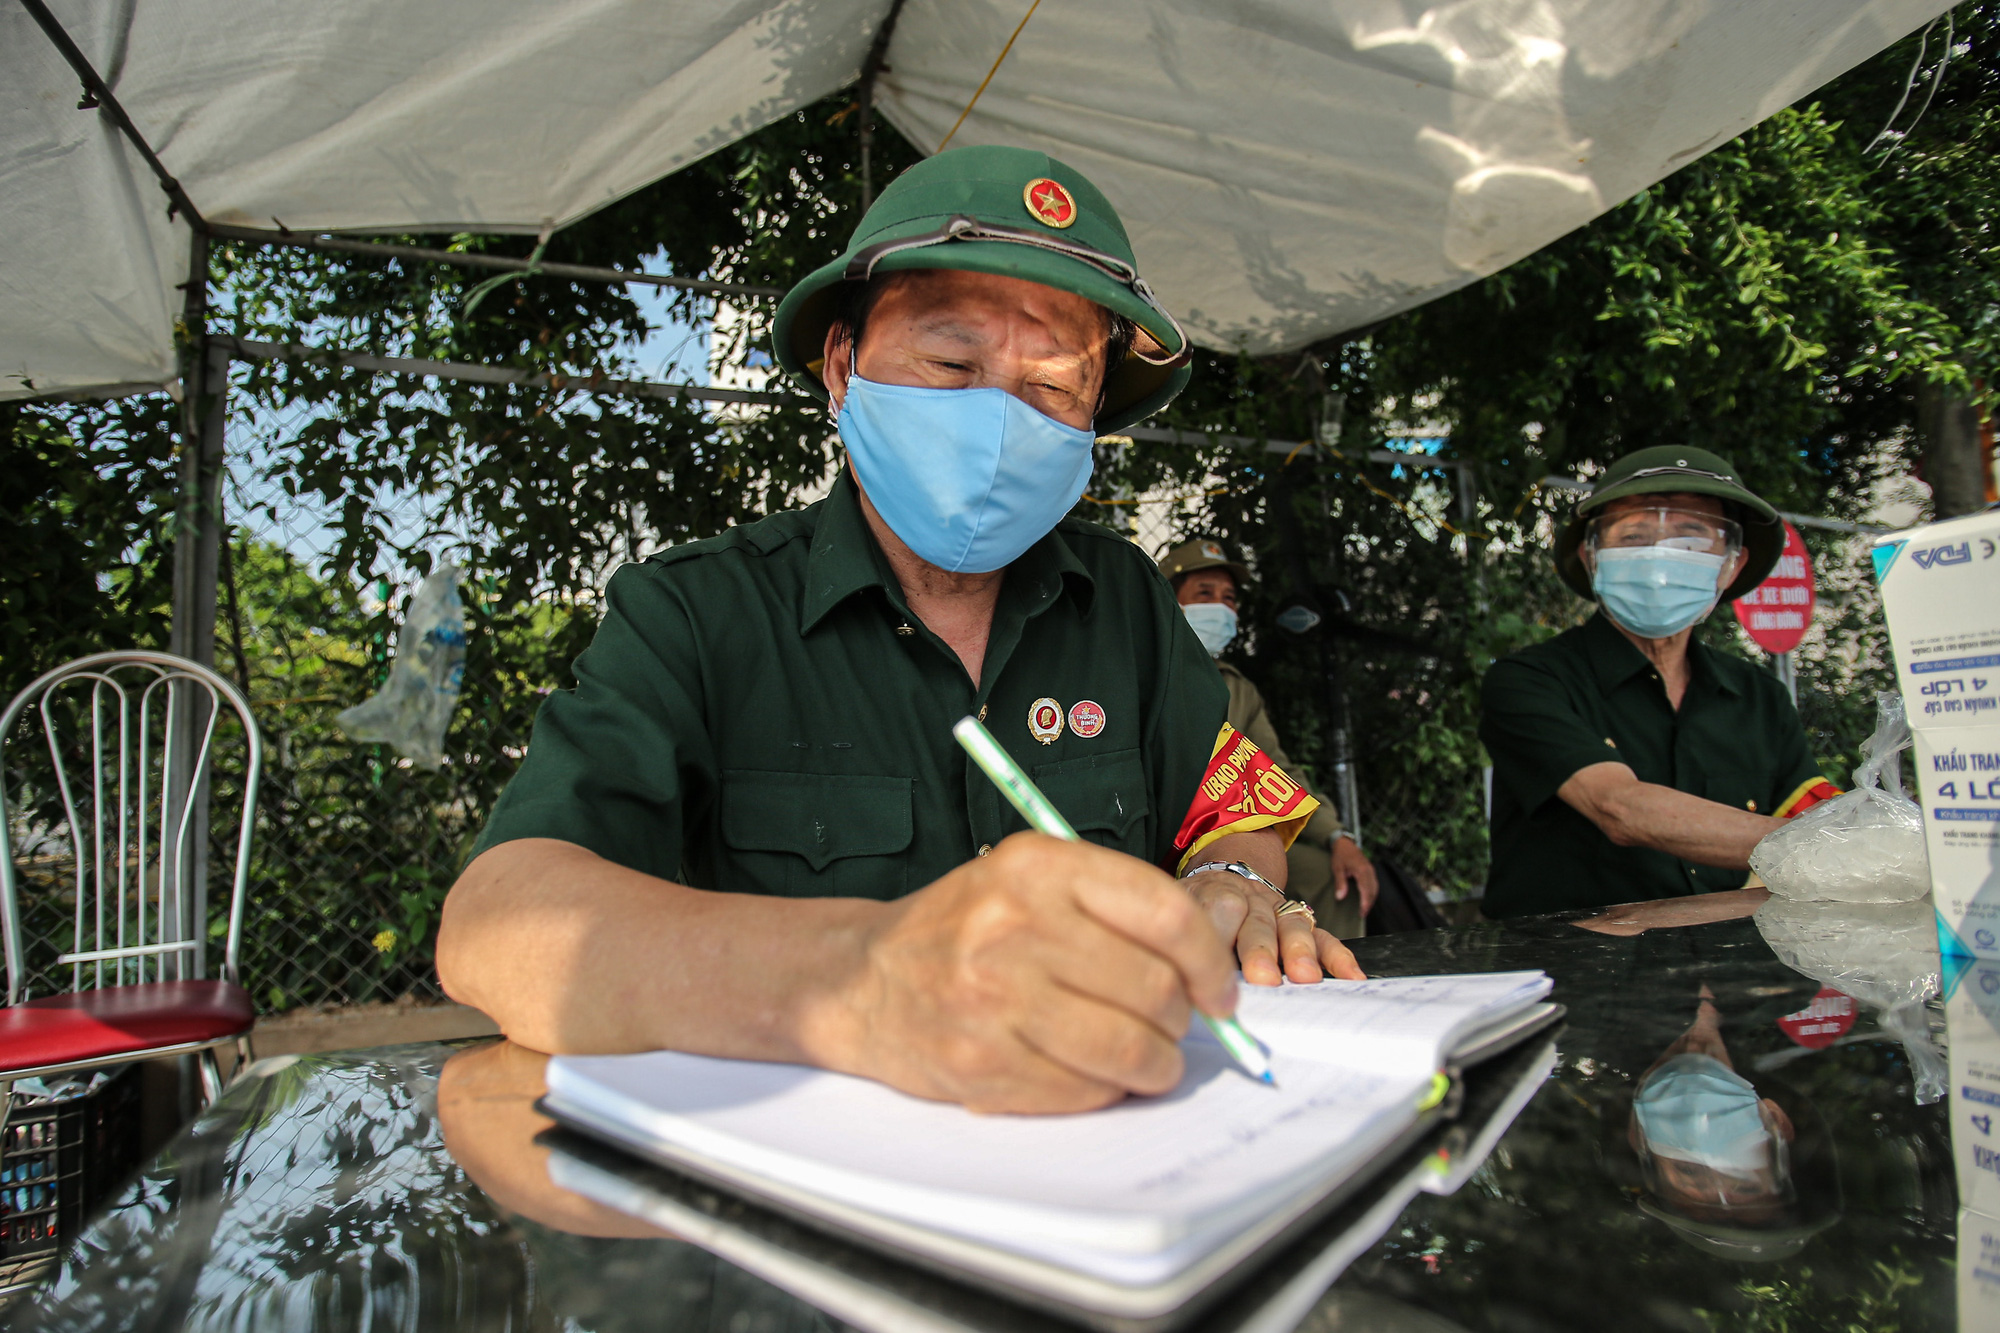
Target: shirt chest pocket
(1103,796)
(811,835)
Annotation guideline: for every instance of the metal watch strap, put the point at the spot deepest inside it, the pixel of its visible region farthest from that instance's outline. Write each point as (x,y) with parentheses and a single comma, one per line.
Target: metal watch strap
(1238,868)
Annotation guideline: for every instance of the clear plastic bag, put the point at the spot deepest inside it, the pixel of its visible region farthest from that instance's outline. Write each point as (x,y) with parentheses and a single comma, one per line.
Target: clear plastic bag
(414,709)
(1863,846)
(1885,955)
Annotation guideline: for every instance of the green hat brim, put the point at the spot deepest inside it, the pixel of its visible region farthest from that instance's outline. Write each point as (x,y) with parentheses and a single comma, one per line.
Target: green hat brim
(1136,388)
(1763,532)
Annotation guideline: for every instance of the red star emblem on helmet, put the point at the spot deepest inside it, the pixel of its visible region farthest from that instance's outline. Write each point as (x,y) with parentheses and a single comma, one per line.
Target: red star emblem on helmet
(1049,203)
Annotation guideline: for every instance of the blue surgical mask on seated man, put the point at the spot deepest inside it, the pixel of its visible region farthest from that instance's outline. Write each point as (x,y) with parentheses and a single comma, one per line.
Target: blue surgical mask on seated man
(1656,591)
(968,478)
(1214,624)
(1657,571)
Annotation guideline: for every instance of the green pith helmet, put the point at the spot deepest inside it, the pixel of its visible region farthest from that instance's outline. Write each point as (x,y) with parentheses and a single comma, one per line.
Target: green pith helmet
(1012,212)
(1202,553)
(1663,470)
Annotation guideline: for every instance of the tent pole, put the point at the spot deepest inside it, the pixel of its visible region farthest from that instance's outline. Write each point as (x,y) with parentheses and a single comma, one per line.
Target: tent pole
(247,349)
(502,263)
(97,96)
(204,409)
(877,61)
(1164,435)
(197,549)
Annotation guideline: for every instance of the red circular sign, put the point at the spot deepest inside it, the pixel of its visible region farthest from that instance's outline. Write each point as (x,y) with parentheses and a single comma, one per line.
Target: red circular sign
(1822,1022)
(1086,718)
(1777,612)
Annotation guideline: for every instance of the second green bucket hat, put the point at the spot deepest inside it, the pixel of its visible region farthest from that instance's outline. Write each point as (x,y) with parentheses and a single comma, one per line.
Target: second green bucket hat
(1007,211)
(1668,469)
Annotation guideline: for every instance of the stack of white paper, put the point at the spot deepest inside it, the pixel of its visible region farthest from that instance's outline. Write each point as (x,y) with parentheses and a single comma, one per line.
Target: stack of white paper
(1131,1195)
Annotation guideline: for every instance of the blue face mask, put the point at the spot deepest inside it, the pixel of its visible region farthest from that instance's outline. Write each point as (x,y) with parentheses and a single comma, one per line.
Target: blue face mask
(968,478)
(1214,624)
(1655,591)
(1694,1108)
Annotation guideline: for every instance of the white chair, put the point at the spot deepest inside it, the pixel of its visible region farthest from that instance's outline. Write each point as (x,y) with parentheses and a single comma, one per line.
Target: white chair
(139,983)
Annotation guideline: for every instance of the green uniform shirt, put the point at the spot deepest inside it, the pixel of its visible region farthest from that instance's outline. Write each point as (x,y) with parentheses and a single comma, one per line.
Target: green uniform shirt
(1589,696)
(760,713)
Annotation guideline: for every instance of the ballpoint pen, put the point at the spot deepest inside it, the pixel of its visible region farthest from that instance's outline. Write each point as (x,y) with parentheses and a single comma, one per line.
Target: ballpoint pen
(1043,817)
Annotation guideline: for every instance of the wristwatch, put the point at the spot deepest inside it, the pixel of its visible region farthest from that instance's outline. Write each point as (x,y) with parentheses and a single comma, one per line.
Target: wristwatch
(1238,868)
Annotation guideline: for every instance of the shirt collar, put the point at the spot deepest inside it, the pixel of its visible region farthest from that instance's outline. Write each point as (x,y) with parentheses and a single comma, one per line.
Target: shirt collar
(1613,656)
(1616,659)
(845,559)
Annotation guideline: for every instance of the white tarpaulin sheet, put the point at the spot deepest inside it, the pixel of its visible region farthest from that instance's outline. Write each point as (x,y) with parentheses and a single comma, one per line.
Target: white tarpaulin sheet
(1288,169)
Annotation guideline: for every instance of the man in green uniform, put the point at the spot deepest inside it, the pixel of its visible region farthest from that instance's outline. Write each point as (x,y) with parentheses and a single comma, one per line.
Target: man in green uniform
(1630,762)
(1325,866)
(748,831)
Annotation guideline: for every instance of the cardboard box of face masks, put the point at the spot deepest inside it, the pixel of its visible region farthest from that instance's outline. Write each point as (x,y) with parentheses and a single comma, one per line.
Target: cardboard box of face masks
(1972,1017)
(1941,593)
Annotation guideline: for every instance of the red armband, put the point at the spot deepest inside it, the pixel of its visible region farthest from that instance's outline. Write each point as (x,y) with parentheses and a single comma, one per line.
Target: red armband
(1809,794)
(1242,791)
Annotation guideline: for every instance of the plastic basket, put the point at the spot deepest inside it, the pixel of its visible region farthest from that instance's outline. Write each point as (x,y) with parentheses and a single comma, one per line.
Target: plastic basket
(59,1159)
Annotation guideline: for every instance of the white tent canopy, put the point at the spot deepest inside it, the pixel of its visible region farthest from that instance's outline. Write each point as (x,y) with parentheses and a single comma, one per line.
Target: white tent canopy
(1289,169)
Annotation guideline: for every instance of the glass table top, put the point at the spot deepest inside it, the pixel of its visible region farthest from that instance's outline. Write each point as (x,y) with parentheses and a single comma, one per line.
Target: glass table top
(409,1188)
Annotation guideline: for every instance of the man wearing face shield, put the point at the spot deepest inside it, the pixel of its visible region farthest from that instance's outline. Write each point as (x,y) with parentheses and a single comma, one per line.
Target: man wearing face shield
(748,831)
(1630,762)
(1718,1155)
(1327,869)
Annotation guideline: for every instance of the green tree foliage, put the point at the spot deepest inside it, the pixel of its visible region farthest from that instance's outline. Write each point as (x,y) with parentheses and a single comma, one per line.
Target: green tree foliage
(1778,300)
(86,519)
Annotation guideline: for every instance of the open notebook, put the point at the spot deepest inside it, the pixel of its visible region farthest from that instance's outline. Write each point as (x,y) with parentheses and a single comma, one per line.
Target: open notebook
(1127,1210)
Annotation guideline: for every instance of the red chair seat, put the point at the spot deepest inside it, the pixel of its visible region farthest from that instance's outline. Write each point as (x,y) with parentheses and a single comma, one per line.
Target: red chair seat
(120,1020)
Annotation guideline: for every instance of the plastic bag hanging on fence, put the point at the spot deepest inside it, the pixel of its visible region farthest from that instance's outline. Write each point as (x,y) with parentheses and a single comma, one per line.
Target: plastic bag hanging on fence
(1863,846)
(414,708)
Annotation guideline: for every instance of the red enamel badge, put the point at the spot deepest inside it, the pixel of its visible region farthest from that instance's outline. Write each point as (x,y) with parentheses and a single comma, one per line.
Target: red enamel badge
(1049,203)
(1086,718)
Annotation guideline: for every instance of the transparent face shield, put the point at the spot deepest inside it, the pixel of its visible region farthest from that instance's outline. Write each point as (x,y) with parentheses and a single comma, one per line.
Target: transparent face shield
(1673,529)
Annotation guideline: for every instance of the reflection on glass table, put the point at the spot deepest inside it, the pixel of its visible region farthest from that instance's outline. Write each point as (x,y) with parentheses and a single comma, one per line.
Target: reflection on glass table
(410,1188)
(1722,1156)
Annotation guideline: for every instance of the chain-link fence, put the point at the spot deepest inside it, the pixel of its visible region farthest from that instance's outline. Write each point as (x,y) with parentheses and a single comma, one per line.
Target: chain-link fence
(355,847)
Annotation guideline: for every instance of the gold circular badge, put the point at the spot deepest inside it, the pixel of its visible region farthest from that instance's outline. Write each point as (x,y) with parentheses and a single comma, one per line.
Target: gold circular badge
(1045,720)
(1049,203)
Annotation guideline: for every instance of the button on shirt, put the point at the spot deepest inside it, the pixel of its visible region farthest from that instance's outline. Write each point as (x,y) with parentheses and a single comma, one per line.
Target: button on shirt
(1589,696)
(761,713)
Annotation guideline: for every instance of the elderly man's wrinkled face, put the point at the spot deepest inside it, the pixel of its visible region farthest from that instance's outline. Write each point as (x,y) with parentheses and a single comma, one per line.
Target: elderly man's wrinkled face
(946,329)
